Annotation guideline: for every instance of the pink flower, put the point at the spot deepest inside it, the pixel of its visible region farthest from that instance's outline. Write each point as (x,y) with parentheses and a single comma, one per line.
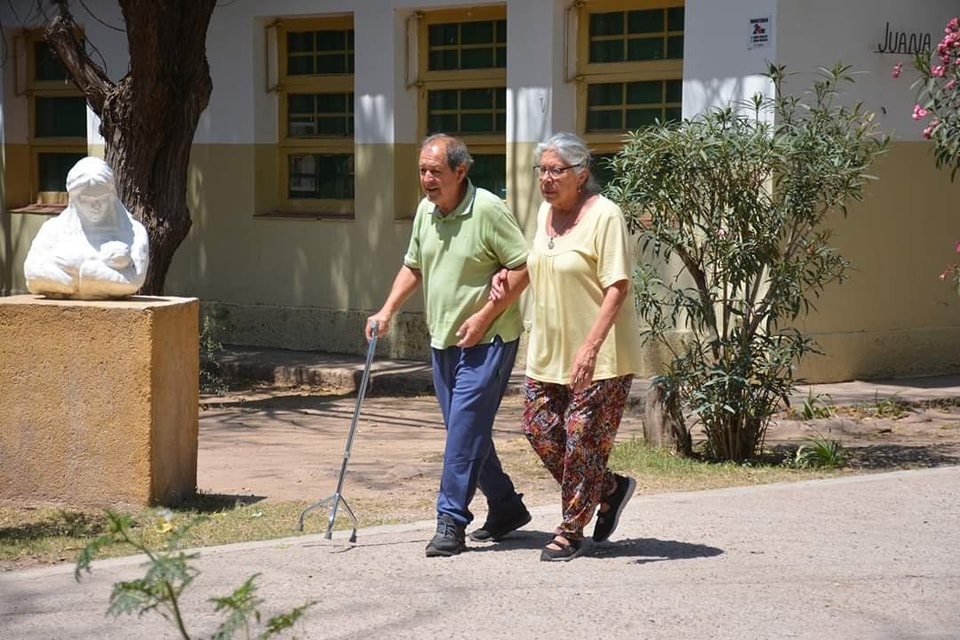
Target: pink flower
(919,112)
(950,85)
(952,25)
(958,246)
(928,132)
(897,68)
(938,71)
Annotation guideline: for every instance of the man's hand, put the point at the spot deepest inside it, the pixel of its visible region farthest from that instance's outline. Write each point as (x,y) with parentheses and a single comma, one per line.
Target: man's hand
(383,325)
(473,329)
(404,285)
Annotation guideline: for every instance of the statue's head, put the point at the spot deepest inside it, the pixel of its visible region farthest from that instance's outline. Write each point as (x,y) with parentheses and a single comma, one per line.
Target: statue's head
(92,189)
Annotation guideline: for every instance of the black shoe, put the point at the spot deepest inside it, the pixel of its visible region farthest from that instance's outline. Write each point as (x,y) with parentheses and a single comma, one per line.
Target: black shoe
(500,524)
(448,540)
(608,520)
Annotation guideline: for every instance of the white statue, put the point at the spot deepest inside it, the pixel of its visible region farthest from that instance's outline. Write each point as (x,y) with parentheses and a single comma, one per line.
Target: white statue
(94,249)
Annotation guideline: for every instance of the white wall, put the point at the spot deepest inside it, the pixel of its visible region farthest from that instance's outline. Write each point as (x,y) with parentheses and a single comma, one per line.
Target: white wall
(541,102)
(819,33)
(720,65)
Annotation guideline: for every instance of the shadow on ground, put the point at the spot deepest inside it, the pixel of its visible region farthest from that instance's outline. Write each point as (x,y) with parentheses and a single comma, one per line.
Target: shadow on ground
(645,550)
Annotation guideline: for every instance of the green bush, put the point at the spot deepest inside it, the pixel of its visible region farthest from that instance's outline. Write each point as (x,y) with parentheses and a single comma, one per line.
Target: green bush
(214,323)
(169,573)
(815,407)
(730,208)
(818,452)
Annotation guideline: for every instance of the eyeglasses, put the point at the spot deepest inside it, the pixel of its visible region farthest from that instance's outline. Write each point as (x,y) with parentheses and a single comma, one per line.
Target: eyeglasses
(553,172)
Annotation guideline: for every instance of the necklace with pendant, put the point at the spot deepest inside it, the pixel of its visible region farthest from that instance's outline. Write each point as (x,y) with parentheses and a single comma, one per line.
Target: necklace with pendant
(573,216)
(550,240)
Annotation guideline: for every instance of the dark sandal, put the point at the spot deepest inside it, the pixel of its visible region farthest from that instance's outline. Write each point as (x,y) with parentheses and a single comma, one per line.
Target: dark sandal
(565,551)
(609,518)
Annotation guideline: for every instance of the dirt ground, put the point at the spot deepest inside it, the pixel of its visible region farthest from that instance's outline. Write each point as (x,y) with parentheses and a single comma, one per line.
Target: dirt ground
(289,444)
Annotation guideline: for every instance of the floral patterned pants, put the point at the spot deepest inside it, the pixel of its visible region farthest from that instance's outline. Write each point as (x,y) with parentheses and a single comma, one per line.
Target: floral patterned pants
(573,434)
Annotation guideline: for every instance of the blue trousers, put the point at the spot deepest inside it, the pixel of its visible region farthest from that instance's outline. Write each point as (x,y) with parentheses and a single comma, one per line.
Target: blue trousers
(470,384)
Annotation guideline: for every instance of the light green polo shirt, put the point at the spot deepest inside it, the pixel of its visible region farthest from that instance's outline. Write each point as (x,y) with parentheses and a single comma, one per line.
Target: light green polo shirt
(457,255)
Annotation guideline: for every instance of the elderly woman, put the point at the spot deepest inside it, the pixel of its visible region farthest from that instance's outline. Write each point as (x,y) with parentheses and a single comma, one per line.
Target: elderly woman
(94,249)
(584,345)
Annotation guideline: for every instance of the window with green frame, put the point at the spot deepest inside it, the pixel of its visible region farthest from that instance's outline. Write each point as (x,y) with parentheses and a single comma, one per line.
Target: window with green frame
(311,115)
(636,36)
(58,122)
(490,172)
(623,106)
(46,66)
(463,75)
(60,117)
(467,45)
(465,112)
(321,52)
(630,66)
(317,115)
(53,169)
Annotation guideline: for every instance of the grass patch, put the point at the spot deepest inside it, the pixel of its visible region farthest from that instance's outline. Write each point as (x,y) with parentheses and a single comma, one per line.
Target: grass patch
(661,470)
(820,451)
(51,533)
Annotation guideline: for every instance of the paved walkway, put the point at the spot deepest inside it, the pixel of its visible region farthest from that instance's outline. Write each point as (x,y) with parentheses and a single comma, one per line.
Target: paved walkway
(866,557)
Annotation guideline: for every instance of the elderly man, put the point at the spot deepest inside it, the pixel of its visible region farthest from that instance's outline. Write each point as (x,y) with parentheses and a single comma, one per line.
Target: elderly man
(461,236)
(94,249)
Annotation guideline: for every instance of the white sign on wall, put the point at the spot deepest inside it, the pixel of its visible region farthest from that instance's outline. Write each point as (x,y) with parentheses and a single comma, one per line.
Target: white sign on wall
(759,33)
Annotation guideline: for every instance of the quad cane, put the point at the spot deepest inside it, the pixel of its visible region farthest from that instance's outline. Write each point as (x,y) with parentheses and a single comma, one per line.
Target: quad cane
(337,498)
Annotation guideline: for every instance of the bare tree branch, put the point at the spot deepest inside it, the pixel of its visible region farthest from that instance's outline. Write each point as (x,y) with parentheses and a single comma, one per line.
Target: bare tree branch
(63,35)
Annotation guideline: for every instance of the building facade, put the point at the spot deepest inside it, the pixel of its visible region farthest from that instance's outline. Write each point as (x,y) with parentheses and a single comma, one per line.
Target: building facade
(303,177)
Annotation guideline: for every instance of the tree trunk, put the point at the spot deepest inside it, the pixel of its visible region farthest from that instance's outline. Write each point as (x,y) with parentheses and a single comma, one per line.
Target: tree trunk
(148,119)
(663,421)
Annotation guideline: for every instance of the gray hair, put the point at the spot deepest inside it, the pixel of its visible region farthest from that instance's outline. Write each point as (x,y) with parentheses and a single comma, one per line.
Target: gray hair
(572,150)
(457,153)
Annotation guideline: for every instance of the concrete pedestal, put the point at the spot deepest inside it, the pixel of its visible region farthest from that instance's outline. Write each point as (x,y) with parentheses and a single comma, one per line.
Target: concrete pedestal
(99,400)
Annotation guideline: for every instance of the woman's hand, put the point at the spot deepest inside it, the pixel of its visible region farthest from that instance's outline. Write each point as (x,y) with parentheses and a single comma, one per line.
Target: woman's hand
(584,364)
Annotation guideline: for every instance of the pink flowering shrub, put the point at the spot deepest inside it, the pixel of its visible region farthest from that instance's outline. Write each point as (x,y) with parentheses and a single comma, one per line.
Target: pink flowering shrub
(938,98)
(952,271)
